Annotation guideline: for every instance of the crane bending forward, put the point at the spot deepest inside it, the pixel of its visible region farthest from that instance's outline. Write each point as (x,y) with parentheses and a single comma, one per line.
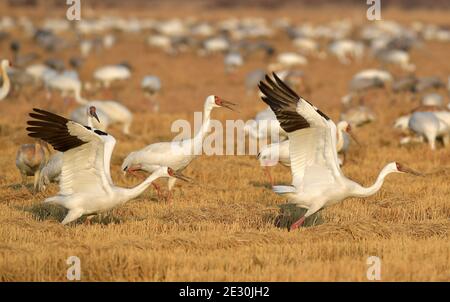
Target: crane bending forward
(317,179)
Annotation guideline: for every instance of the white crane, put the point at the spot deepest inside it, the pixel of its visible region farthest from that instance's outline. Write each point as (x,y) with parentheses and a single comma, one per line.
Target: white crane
(151,85)
(64,83)
(176,154)
(317,180)
(110,73)
(86,187)
(428,125)
(114,111)
(79,115)
(288,60)
(6,87)
(358,115)
(51,172)
(343,49)
(232,61)
(278,152)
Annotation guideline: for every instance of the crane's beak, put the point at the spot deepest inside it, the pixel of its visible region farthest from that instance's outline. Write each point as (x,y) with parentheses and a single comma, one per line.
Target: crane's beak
(410,171)
(94,114)
(228,105)
(181,176)
(352,135)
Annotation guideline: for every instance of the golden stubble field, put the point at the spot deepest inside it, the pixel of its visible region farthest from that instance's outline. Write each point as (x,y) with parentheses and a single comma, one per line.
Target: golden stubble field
(221,228)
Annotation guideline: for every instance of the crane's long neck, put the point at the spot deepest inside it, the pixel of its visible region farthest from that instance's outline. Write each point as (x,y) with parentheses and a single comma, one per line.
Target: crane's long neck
(78,98)
(139,189)
(89,122)
(200,135)
(340,139)
(6,84)
(361,191)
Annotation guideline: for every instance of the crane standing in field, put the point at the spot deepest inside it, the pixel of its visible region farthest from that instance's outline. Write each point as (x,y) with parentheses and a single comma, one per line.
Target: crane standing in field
(30,159)
(176,154)
(317,180)
(86,187)
(6,87)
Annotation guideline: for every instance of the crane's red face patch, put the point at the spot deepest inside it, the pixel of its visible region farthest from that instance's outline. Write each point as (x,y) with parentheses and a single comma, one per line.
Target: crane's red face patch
(170,171)
(217,100)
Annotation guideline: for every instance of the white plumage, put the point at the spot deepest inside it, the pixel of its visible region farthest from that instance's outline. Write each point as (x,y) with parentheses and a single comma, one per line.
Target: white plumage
(266,126)
(6,87)
(317,180)
(343,49)
(86,187)
(175,154)
(278,152)
(428,125)
(51,172)
(79,115)
(110,73)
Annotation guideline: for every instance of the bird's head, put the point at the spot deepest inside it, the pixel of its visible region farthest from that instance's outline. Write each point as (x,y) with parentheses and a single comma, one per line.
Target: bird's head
(131,163)
(215,101)
(268,155)
(169,172)
(347,128)
(400,168)
(401,123)
(92,111)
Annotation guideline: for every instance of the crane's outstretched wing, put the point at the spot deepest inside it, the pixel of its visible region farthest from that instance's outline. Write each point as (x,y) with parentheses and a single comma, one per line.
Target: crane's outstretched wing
(84,165)
(312,134)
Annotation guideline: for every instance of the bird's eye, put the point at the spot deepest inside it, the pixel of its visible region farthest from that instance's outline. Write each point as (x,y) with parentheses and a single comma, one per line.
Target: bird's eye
(399,167)
(217,100)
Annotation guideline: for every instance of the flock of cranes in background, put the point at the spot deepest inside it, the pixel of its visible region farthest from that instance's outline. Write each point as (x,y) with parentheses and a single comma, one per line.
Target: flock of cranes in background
(309,142)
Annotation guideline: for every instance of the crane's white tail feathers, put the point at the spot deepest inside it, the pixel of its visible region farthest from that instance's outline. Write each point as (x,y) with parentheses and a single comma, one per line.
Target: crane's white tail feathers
(281,190)
(53,200)
(71,216)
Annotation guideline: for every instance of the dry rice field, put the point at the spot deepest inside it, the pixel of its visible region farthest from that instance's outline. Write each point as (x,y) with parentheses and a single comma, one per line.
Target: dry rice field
(221,228)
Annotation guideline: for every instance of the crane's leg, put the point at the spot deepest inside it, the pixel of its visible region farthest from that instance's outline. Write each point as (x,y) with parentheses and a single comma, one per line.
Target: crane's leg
(267,172)
(308,213)
(89,218)
(36,180)
(126,128)
(446,140)
(297,224)
(24,180)
(71,216)
(158,189)
(171,182)
(133,172)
